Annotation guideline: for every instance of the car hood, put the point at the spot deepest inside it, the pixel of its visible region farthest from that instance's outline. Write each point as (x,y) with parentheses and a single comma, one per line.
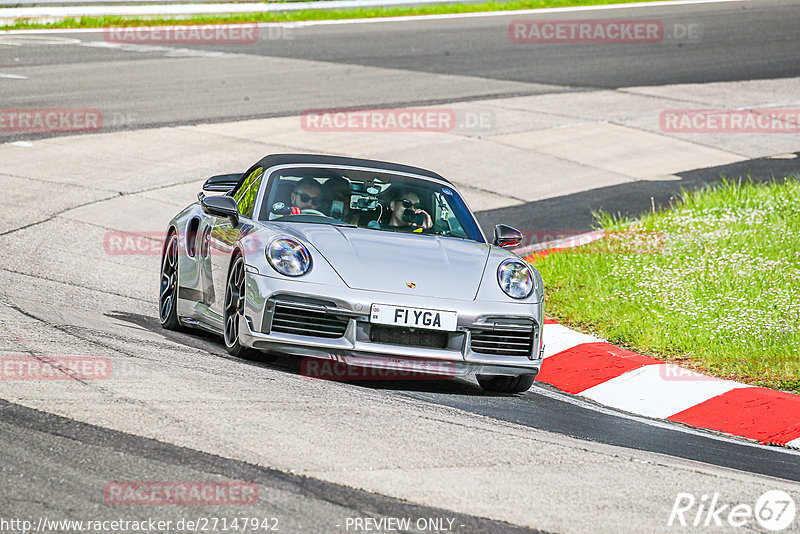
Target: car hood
(396,262)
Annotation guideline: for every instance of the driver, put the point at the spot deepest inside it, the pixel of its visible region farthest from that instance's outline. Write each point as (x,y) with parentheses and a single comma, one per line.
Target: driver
(307,194)
(408,200)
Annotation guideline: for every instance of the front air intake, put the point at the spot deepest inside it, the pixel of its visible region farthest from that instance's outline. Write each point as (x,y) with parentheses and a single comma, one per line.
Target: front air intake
(289,319)
(503,342)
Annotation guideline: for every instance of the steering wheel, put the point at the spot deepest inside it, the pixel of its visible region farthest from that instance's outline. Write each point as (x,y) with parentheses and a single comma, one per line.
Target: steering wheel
(309,211)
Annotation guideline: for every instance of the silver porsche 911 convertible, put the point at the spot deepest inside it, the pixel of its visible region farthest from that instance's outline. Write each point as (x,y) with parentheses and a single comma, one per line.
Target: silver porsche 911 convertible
(366,263)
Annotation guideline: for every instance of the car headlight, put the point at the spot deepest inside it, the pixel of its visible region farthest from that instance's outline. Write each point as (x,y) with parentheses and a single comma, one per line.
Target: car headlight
(288,256)
(515,278)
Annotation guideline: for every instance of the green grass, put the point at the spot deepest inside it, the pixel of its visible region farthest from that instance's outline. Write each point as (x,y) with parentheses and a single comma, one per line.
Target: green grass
(712,283)
(308,14)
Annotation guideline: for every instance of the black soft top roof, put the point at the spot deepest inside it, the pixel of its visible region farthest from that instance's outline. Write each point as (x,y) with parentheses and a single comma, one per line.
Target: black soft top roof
(320,159)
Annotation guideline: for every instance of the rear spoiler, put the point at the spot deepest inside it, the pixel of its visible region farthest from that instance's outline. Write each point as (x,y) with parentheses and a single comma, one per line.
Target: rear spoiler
(222,182)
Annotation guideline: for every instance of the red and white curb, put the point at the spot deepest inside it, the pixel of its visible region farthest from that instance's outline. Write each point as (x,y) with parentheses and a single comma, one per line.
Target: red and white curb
(584,365)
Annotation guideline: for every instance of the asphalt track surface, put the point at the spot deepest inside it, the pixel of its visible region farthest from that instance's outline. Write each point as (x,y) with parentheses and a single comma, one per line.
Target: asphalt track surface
(140,85)
(296,503)
(100,77)
(546,408)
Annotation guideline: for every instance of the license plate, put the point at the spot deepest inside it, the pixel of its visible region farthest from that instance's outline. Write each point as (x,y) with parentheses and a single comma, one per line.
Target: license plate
(414,317)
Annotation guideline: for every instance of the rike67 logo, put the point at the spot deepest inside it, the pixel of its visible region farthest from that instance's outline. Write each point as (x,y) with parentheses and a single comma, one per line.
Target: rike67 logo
(775,511)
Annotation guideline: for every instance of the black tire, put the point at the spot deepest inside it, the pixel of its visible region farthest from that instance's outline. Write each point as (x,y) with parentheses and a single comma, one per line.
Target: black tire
(506,384)
(234,308)
(168,294)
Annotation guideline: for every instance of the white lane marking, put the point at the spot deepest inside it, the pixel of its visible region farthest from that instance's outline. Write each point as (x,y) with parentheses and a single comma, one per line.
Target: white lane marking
(21,143)
(13,76)
(666,425)
(658,390)
(794,443)
(153,49)
(12,39)
(558,338)
(411,18)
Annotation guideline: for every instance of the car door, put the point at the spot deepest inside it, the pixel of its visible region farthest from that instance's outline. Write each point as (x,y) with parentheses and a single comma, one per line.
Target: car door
(222,238)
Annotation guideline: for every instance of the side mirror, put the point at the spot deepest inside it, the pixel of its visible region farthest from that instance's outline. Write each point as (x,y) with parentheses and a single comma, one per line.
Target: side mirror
(221,206)
(507,237)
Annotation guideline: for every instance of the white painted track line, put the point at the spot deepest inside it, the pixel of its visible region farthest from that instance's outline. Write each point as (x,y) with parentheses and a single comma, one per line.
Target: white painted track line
(189,9)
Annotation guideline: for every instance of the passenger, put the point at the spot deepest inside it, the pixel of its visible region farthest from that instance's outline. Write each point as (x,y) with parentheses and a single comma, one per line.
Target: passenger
(307,194)
(408,200)
(336,198)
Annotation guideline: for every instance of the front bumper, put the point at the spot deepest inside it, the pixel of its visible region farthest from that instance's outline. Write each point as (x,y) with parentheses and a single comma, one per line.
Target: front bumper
(358,346)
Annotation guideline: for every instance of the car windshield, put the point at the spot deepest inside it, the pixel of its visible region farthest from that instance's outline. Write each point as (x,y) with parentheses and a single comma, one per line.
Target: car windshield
(376,200)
